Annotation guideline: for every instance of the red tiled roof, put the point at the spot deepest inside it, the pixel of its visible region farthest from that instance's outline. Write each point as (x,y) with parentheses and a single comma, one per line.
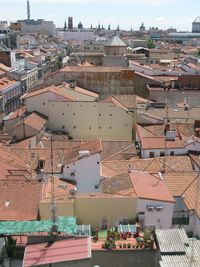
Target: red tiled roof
(52,89)
(160,143)
(19,200)
(149,186)
(111,99)
(58,251)
(33,120)
(6,82)
(17,113)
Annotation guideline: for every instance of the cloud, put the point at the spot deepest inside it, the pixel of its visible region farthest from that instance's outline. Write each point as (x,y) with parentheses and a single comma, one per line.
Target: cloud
(161,19)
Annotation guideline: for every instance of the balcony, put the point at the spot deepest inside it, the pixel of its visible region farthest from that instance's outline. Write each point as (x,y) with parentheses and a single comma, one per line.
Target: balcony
(180,221)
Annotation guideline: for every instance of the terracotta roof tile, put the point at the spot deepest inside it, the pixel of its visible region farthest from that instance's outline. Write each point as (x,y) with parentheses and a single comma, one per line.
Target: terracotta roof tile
(19,200)
(178,182)
(160,143)
(52,89)
(33,120)
(149,186)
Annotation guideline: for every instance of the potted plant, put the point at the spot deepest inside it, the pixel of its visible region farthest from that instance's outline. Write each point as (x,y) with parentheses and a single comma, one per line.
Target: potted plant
(129,245)
(124,245)
(120,245)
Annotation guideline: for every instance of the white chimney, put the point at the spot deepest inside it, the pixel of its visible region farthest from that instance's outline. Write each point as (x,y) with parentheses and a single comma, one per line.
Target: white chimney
(171,135)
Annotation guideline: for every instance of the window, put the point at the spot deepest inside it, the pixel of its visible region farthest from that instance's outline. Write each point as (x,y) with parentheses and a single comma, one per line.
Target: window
(110,128)
(126,125)
(63,113)
(43,104)
(97,162)
(110,115)
(99,115)
(90,127)
(74,127)
(99,127)
(162,153)
(63,126)
(151,154)
(172,153)
(74,114)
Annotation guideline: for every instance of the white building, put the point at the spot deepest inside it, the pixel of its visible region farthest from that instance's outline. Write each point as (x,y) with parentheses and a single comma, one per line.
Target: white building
(84,168)
(154,201)
(39,26)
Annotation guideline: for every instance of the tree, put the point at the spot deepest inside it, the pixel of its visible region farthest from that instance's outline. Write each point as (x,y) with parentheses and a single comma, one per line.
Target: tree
(150,43)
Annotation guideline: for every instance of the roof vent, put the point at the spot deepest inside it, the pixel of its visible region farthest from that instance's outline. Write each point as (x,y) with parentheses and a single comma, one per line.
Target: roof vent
(7,203)
(160,175)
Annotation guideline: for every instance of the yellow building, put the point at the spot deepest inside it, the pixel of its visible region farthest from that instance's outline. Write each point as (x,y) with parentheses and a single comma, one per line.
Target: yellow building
(97,209)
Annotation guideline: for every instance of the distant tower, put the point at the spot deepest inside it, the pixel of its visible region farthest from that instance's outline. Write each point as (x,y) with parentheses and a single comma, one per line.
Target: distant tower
(142,28)
(196,25)
(80,25)
(108,27)
(70,23)
(65,26)
(28,10)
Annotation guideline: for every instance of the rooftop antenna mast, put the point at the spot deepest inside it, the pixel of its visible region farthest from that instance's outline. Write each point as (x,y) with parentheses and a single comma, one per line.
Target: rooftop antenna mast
(54,227)
(28,10)
(166,127)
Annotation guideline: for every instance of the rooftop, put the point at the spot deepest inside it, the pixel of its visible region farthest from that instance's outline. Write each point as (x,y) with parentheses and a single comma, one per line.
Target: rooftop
(6,82)
(34,120)
(57,252)
(116,41)
(51,89)
(19,200)
(148,186)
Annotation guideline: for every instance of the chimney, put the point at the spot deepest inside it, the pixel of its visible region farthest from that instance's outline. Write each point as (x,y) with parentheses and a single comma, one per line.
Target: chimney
(72,84)
(167,127)
(83,153)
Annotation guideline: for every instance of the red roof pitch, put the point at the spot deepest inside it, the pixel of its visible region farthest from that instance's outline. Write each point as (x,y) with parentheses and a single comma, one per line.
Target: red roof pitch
(52,89)
(19,200)
(160,143)
(58,251)
(149,186)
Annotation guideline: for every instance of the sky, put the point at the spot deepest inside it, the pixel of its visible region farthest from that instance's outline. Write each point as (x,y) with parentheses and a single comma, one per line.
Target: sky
(128,14)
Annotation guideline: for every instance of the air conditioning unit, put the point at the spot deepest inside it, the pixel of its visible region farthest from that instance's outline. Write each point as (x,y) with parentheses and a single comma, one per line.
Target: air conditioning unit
(159,207)
(73,173)
(150,207)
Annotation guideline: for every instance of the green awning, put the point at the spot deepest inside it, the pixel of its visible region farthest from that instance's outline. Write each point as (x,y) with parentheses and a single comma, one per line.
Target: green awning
(65,225)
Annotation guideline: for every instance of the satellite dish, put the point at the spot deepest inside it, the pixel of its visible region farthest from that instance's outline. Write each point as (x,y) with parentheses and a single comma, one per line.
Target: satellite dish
(73,192)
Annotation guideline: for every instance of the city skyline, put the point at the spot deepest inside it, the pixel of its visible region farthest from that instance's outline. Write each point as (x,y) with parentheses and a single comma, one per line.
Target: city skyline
(129,14)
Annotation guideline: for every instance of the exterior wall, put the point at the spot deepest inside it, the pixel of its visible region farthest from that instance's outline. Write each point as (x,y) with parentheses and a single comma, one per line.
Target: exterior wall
(76,36)
(87,173)
(89,120)
(177,151)
(142,69)
(117,258)
(93,210)
(63,208)
(195,146)
(31,78)
(45,27)
(194,225)
(11,97)
(114,50)
(40,103)
(24,131)
(158,219)
(175,96)
(8,124)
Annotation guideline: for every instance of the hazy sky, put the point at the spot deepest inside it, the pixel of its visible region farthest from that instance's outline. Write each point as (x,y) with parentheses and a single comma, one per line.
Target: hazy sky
(126,13)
